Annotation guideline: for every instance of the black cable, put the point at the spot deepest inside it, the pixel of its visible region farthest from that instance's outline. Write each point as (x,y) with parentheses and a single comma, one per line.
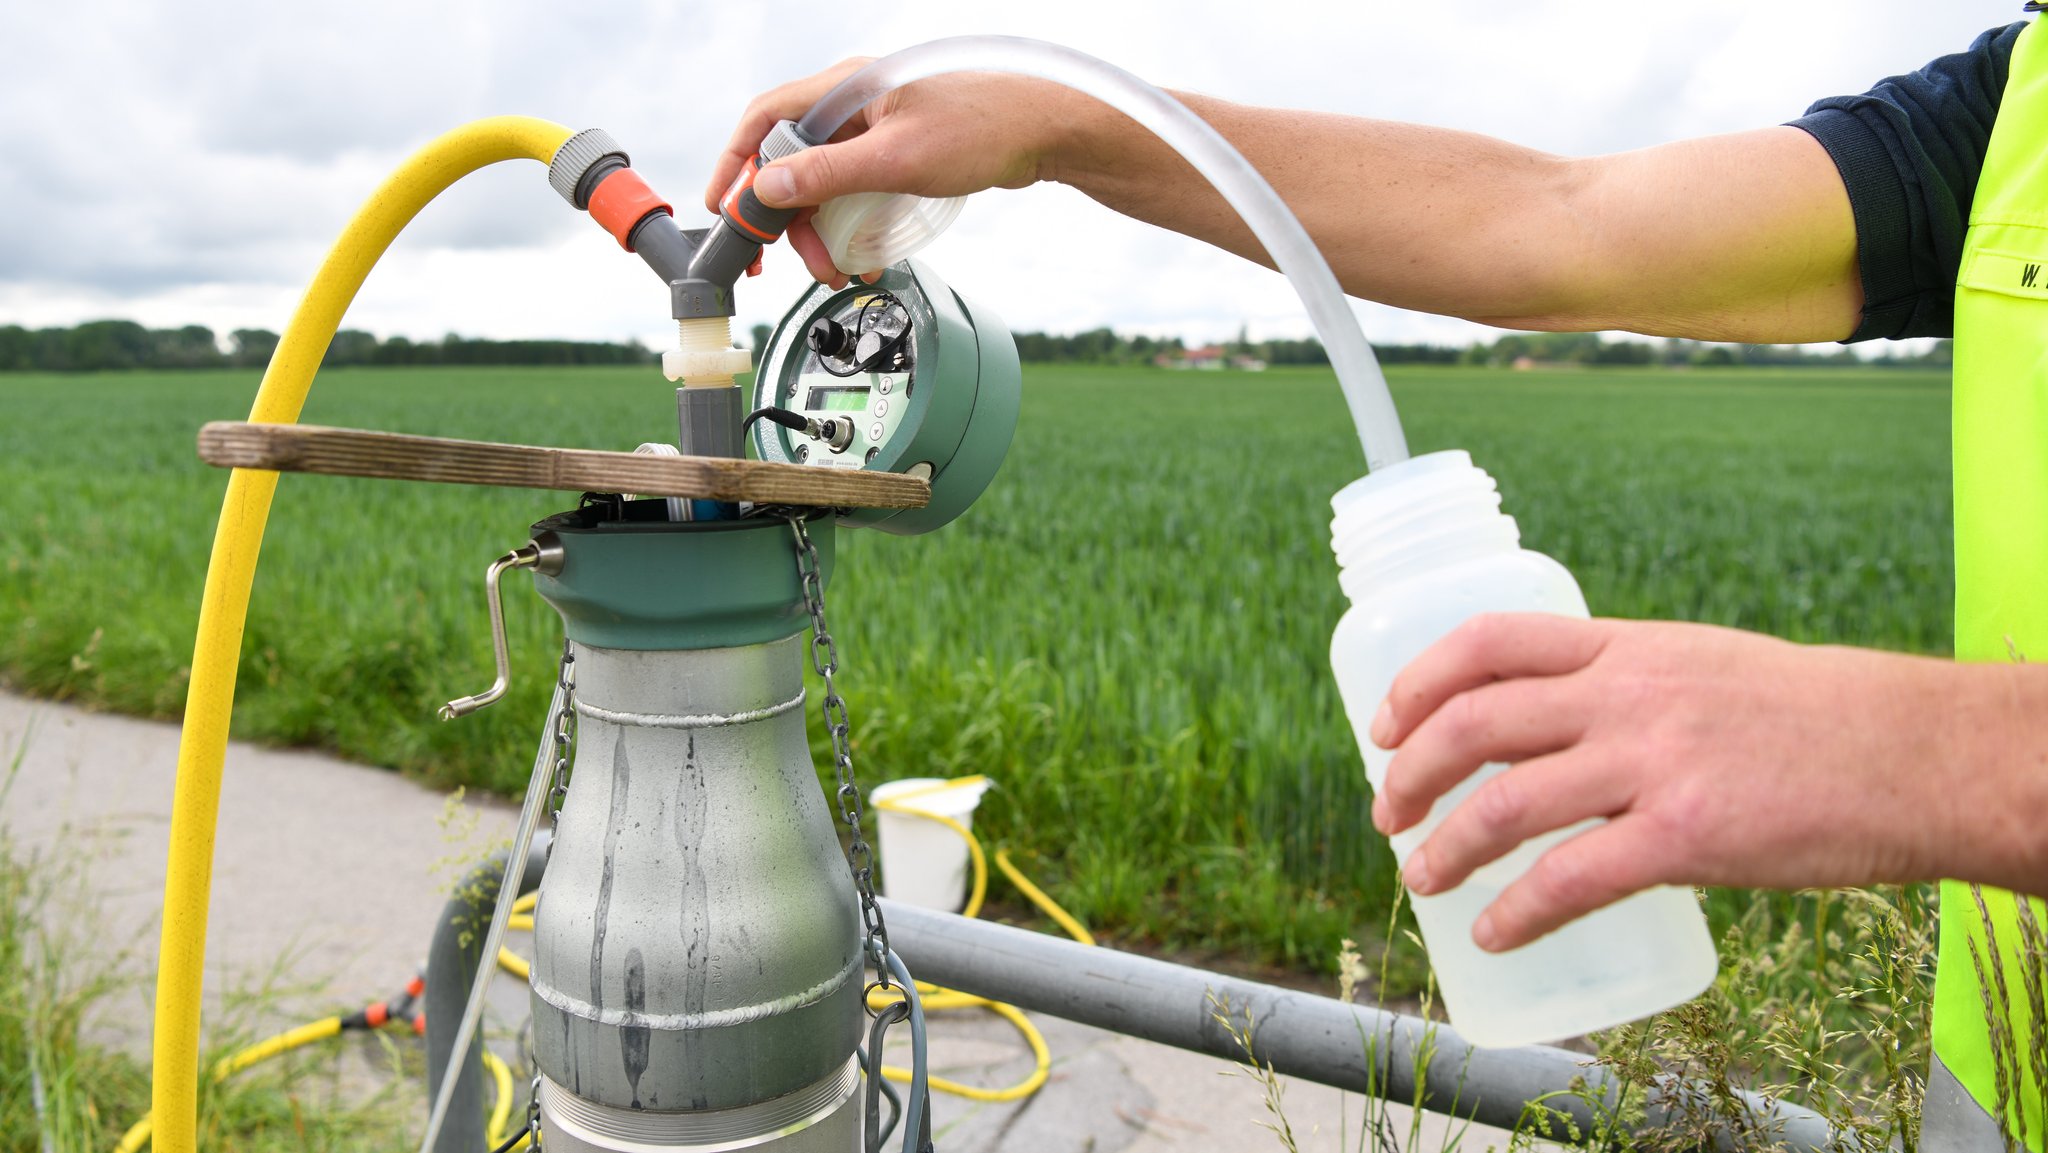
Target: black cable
(861,327)
(514,1139)
(794,421)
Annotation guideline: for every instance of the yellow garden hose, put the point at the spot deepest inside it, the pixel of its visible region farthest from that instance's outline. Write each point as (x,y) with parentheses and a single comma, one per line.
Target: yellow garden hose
(138,1133)
(501,1076)
(521,920)
(1046,904)
(501,1103)
(231,571)
(936,998)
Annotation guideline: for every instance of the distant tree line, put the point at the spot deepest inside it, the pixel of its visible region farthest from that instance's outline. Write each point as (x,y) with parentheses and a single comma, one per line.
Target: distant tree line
(1590,348)
(1095,346)
(1516,349)
(115,345)
(1106,346)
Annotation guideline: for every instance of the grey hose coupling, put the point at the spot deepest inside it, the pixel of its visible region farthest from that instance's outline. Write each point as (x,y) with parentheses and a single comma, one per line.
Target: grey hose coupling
(785,139)
(580,161)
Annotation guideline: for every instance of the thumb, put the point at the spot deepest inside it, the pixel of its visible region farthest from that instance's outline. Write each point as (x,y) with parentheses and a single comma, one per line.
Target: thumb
(815,175)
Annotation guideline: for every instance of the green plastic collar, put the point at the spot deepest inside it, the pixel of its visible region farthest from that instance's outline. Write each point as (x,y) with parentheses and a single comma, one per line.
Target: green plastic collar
(650,584)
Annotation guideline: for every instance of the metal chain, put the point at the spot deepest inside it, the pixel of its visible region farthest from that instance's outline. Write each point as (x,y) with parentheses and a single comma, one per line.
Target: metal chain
(565,739)
(533,1116)
(825,659)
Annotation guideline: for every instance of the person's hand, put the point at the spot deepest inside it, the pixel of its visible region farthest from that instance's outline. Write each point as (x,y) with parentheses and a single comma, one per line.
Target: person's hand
(946,136)
(1720,758)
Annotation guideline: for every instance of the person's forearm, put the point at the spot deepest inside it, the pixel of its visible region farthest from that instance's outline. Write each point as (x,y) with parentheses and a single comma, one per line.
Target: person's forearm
(1999,731)
(1742,238)
(1406,214)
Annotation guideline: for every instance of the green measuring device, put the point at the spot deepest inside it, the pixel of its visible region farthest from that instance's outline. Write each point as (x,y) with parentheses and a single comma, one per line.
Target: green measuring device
(901,375)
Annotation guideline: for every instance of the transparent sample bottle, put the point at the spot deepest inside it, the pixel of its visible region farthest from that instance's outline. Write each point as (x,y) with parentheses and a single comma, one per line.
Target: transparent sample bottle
(1423,546)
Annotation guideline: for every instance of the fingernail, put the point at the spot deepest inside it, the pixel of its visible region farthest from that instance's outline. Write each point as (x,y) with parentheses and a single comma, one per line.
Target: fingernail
(774,184)
(1379,814)
(1382,725)
(1484,934)
(1416,873)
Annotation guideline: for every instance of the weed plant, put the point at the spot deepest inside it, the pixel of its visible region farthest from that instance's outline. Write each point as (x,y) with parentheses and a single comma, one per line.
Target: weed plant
(1836,1024)
(1128,632)
(2012,978)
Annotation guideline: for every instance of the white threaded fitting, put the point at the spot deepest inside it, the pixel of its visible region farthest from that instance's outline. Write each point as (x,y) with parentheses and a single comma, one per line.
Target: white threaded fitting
(704,356)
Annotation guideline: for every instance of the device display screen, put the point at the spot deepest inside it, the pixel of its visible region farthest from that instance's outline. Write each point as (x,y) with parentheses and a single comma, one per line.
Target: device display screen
(837,398)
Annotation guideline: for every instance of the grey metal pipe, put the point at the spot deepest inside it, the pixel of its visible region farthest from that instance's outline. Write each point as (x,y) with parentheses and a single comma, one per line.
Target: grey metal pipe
(452,962)
(1352,1047)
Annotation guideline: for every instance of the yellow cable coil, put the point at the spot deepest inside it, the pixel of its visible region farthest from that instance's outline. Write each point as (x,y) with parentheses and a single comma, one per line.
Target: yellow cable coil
(231,571)
(936,998)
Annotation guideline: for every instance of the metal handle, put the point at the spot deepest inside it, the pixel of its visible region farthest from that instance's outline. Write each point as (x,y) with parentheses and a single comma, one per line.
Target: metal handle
(543,555)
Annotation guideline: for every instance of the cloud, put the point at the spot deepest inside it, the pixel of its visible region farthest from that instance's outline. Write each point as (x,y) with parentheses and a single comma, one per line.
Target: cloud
(203,155)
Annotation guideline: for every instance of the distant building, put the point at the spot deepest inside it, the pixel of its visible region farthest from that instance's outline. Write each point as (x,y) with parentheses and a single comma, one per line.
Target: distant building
(1209,358)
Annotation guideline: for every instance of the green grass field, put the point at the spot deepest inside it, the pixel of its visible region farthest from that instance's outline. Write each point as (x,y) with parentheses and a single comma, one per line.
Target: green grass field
(1129,632)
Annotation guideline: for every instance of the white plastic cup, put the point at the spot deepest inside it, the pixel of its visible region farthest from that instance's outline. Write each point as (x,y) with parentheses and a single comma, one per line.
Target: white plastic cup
(924,863)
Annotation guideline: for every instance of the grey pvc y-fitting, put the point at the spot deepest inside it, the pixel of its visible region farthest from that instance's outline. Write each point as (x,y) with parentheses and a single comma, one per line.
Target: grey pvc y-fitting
(575,159)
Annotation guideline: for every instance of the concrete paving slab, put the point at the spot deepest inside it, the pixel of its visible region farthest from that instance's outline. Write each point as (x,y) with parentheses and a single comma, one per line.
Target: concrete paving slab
(331,875)
(328,876)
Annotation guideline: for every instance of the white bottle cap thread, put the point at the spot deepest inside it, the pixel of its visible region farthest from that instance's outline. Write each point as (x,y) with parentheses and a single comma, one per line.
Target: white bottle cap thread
(873,230)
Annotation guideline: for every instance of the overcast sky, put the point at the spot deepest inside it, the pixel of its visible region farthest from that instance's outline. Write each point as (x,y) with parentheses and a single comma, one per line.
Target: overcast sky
(189,162)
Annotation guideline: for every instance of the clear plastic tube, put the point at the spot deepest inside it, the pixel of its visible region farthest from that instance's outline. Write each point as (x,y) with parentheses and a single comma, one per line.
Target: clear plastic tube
(1286,241)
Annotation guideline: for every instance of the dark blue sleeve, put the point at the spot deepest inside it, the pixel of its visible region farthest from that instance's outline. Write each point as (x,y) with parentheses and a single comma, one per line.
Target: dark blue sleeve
(1909,151)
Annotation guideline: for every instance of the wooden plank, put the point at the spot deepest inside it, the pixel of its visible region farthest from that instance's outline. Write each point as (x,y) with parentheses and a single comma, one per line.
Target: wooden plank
(396,456)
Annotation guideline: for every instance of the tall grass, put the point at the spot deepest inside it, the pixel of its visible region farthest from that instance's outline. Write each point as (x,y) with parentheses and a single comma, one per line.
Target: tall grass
(1129,631)
(1841,1031)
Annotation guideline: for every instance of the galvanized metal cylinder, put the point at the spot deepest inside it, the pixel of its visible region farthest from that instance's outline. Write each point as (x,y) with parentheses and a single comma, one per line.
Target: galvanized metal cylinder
(696,945)
(697,973)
